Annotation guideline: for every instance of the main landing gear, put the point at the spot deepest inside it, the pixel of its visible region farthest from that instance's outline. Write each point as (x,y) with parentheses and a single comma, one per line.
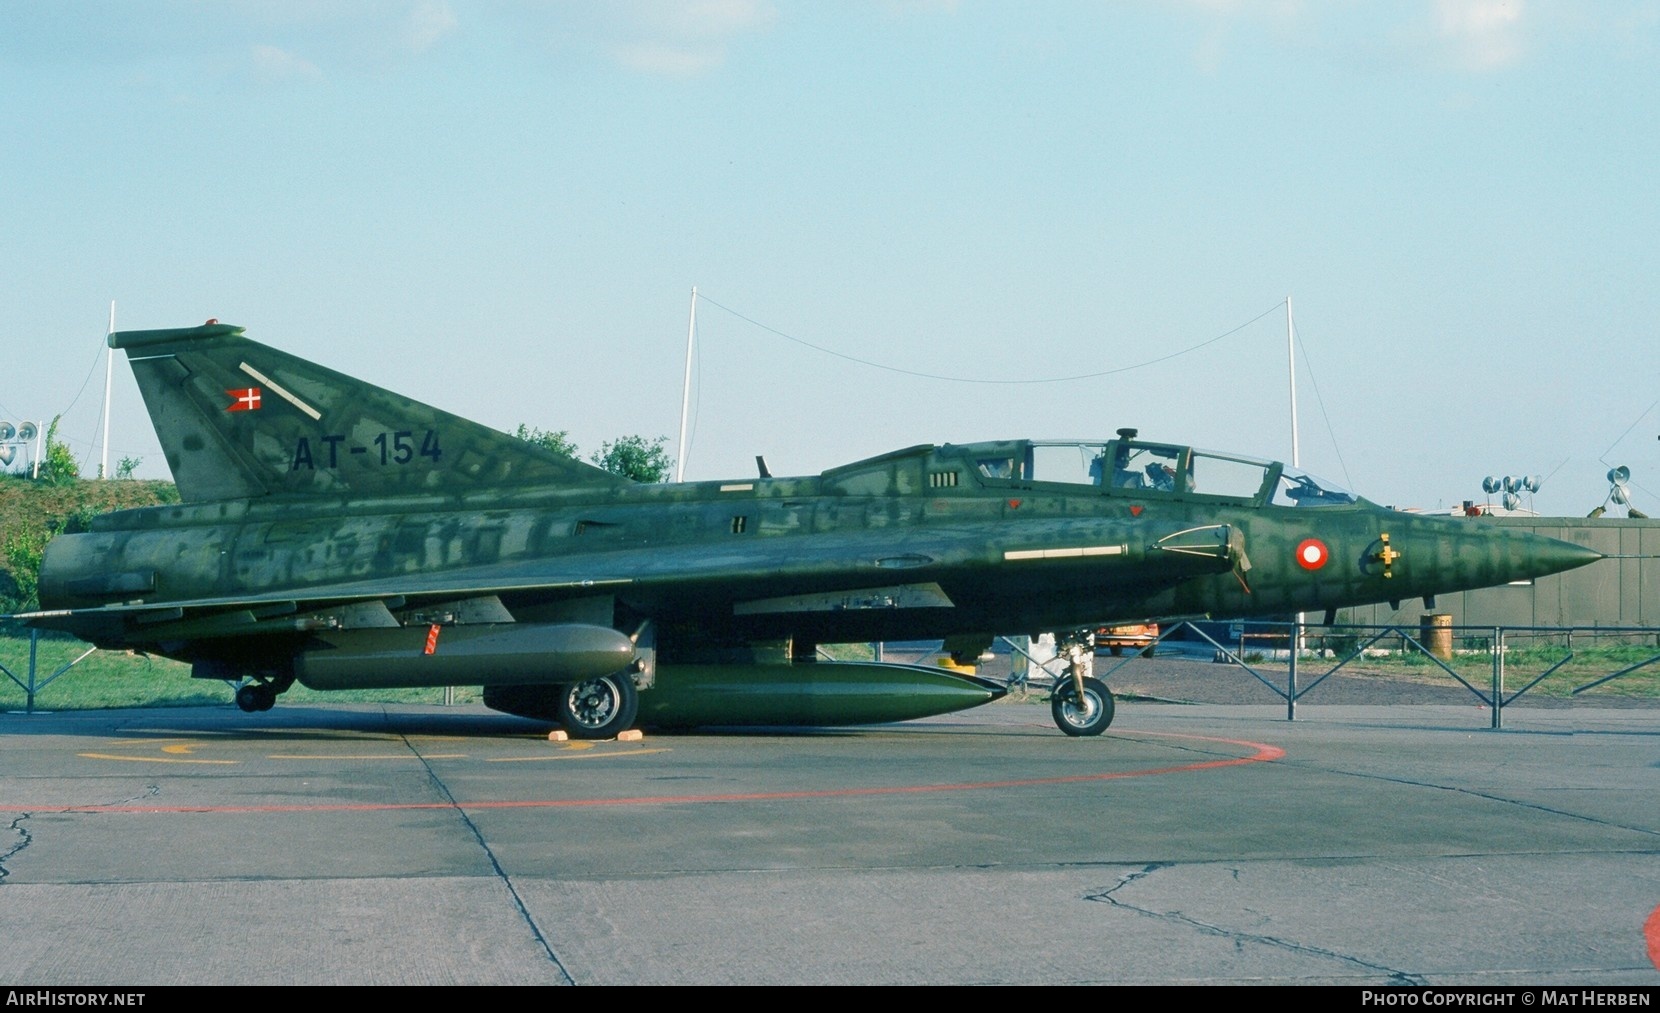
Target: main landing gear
(599,708)
(259,695)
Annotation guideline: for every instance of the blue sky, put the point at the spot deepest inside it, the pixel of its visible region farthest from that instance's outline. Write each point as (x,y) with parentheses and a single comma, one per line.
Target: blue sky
(501,208)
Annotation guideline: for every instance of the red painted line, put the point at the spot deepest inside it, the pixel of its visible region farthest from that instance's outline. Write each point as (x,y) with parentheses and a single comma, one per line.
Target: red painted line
(1651,935)
(1261,754)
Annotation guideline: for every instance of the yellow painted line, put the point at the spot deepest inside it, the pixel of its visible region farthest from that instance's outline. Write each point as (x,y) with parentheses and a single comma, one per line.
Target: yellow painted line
(368,756)
(583,756)
(568,751)
(152,759)
(289,732)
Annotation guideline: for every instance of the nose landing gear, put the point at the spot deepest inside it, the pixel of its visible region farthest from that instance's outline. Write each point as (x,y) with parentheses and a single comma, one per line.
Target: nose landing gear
(1080,704)
(1086,712)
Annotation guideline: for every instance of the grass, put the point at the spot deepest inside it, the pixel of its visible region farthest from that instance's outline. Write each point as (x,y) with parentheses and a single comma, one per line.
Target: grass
(1523,664)
(103,679)
(106,679)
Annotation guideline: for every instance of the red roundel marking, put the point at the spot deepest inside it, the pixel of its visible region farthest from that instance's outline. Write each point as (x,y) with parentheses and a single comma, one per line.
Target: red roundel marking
(1312,554)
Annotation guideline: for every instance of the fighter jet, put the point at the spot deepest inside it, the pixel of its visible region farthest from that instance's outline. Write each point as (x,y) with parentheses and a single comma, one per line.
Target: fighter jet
(339,535)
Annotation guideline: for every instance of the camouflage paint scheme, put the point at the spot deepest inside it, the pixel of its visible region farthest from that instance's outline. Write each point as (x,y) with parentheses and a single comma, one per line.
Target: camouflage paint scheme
(343,535)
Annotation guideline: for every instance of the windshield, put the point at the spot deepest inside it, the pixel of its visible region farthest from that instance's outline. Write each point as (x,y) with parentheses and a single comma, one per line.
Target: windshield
(1144,466)
(1298,488)
(1155,468)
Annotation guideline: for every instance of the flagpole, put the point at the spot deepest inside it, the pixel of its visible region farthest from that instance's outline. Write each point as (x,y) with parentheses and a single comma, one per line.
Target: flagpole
(686,392)
(109,357)
(1297,641)
(1291,363)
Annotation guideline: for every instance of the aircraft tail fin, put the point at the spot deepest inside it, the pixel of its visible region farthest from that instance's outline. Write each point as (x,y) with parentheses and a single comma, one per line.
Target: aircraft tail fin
(238,419)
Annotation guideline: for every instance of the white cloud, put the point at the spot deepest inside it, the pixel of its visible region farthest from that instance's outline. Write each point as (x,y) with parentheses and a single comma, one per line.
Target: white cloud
(681,39)
(902,8)
(1223,19)
(272,65)
(1269,8)
(1473,36)
(710,19)
(1481,35)
(430,21)
(669,60)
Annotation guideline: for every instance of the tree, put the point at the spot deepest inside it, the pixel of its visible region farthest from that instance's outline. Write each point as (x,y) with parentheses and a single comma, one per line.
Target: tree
(20,577)
(635,458)
(59,467)
(632,457)
(553,442)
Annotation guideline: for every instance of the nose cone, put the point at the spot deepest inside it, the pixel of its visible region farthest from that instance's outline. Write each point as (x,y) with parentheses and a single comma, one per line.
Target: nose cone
(1542,556)
(1438,555)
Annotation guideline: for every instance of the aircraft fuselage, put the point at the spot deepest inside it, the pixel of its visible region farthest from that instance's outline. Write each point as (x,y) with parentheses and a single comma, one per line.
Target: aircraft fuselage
(797,557)
(338,534)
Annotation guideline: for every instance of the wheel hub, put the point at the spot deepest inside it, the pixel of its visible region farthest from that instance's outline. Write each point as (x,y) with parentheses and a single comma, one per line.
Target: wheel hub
(593,703)
(1081,711)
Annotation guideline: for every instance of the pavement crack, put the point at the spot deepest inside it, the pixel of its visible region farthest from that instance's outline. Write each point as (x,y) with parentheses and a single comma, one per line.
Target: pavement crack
(490,855)
(1238,938)
(150,791)
(23,840)
(1491,797)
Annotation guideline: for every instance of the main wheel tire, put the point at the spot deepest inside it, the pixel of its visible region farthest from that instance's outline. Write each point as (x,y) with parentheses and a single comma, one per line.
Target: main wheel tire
(255,696)
(1089,716)
(599,708)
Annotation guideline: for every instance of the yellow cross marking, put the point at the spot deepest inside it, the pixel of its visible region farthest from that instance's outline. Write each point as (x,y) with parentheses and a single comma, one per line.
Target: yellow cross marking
(1386,555)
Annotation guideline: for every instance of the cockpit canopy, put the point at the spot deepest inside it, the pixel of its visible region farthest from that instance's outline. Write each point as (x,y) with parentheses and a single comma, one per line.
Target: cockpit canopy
(1153,468)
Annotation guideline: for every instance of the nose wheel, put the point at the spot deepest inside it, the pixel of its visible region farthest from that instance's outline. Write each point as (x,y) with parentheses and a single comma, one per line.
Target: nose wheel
(1088,713)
